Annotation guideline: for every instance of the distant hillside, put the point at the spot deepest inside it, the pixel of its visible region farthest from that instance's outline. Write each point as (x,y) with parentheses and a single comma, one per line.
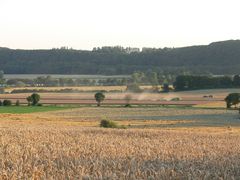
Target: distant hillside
(217,58)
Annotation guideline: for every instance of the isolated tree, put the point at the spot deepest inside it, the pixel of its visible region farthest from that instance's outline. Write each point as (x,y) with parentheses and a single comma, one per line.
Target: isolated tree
(232,99)
(99,96)
(33,99)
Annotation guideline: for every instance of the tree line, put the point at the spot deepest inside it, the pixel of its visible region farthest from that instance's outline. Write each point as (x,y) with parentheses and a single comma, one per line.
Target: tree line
(140,78)
(215,58)
(189,82)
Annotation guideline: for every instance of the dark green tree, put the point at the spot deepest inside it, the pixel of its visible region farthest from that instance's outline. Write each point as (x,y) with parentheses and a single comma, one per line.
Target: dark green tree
(99,97)
(7,102)
(232,99)
(33,99)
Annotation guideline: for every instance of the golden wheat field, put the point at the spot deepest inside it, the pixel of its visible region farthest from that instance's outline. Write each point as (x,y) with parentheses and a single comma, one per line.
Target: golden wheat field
(161,143)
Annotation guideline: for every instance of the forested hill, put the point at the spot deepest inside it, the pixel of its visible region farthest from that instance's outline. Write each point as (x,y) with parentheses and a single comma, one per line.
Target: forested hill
(217,58)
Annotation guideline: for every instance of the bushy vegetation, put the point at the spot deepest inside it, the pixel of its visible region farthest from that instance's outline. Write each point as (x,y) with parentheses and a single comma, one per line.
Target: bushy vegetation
(232,99)
(33,99)
(188,82)
(7,102)
(108,124)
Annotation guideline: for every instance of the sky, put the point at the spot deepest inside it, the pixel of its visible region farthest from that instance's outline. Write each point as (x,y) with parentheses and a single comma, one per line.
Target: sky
(84,24)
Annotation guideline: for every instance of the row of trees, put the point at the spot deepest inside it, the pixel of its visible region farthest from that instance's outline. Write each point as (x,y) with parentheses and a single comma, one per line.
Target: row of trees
(152,78)
(139,78)
(188,82)
(49,81)
(34,99)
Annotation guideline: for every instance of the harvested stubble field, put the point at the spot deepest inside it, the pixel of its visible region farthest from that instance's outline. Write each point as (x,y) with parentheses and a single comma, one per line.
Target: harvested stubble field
(184,98)
(150,117)
(161,143)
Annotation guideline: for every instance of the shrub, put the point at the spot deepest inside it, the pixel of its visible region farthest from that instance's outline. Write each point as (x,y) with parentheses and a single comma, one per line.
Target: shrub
(108,124)
(7,102)
(128,105)
(39,104)
(111,124)
(175,99)
(17,103)
(1,103)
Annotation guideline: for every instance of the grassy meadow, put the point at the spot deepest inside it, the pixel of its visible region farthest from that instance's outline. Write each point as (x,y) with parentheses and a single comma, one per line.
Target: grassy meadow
(30,109)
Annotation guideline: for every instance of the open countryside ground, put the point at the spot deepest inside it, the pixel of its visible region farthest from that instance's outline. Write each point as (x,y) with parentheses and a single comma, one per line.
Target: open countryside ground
(136,117)
(152,117)
(185,98)
(160,143)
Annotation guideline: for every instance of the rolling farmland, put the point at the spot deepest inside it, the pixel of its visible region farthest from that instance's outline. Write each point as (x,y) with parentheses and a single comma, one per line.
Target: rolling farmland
(158,142)
(119,98)
(161,143)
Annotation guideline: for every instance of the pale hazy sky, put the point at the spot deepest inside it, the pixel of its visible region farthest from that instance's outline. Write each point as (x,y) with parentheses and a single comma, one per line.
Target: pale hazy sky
(84,24)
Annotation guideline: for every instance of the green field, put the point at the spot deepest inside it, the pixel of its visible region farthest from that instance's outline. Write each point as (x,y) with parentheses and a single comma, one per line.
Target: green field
(30,109)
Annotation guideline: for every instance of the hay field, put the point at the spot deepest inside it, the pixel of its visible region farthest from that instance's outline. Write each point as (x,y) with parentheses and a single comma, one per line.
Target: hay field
(161,143)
